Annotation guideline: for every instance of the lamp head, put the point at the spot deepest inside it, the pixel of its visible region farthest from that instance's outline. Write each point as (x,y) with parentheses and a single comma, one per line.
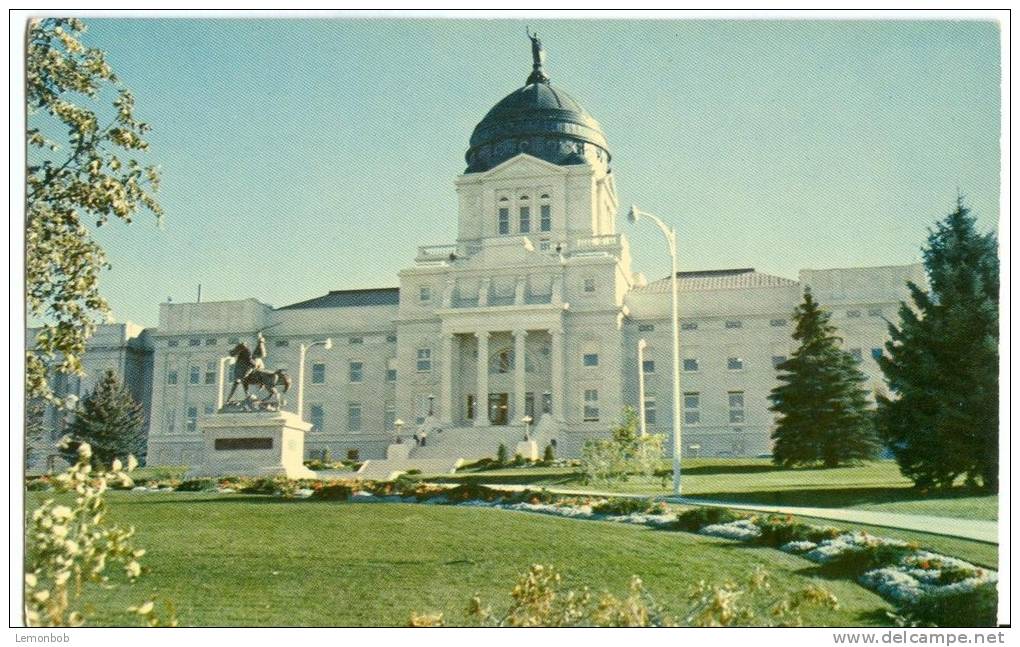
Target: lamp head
(328,344)
(633,215)
(398,423)
(642,344)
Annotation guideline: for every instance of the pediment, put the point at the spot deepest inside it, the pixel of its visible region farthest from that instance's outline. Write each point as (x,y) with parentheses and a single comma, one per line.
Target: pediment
(523,165)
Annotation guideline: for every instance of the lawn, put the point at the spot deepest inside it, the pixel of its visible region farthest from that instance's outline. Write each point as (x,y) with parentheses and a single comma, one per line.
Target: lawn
(872,486)
(244,560)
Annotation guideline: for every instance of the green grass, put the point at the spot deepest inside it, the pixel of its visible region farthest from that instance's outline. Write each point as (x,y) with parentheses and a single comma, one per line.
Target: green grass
(872,486)
(236,560)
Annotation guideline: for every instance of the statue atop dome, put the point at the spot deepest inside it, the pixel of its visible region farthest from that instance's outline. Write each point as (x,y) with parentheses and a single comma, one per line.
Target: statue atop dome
(537,58)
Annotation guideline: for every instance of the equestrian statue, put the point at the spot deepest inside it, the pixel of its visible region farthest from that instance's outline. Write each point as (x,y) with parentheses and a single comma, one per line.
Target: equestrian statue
(250,369)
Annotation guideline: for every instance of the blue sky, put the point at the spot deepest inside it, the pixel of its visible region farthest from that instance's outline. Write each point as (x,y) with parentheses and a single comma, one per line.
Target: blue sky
(318,154)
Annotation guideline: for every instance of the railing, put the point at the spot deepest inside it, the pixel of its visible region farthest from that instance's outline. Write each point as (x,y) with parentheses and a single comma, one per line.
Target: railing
(608,243)
(432,253)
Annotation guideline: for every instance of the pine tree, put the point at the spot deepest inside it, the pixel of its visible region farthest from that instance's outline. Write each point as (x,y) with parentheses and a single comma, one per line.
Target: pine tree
(823,411)
(942,362)
(109,420)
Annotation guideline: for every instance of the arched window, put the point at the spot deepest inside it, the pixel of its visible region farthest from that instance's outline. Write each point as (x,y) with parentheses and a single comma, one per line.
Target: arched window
(503,217)
(524,223)
(502,361)
(545,214)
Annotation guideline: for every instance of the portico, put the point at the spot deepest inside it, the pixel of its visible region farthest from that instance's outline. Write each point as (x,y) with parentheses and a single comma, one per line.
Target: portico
(495,376)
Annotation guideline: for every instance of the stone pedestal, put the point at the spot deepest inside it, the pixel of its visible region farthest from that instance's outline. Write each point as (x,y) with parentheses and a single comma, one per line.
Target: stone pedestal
(528,449)
(398,451)
(259,443)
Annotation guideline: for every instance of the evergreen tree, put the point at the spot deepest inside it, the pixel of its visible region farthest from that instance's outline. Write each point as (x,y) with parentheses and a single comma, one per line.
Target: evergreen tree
(109,420)
(942,363)
(823,411)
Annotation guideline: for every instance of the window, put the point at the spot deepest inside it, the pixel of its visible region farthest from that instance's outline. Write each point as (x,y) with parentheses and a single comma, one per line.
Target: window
(857,354)
(648,366)
(356,371)
(424,362)
(209,409)
(876,354)
(545,218)
(646,327)
(389,415)
(649,411)
(195,375)
(525,221)
(777,323)
(690,364)
(591,405)
(692,408)
(591,359)
(777,360)
(171,377)
(318,373)
(210,373)
(504,221)
(353,416)
(589,285)
(210,341)
(391,339)
(234,340)
(853,314)
(355,341)
(424,294)
(689,325)
(172,343)
(391,375)
(194,342)
(874,312)
(736,399)
(503,362)
(192,419)
(734,323)
(316,416)
(544,245)
(282,343)
(735,363)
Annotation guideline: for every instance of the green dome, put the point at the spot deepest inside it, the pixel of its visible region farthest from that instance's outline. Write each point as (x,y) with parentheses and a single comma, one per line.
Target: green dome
(542,121)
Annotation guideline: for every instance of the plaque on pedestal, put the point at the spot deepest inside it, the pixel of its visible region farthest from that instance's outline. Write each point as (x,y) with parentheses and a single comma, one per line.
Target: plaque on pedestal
(254,443)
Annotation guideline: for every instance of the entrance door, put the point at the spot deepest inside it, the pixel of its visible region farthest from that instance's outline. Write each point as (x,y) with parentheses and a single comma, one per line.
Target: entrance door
(499,408)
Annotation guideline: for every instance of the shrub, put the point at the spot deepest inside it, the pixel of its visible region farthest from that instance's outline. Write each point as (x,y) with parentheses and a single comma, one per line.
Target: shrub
(777,530)
(619,506)
(332,491)
(540,599)
(869,553)
(197,485)
(970,607)
(625,453)
(548,456)
(502,454)
(697,518)
(70,546)
(352,455)
(471,492)
(260,486)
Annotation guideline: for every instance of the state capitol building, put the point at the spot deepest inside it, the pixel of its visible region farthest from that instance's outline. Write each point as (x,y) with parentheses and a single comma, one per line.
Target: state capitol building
(534,310)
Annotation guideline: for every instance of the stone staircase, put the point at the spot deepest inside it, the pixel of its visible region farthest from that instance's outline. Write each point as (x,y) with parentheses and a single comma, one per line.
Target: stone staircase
(446,449)
(468,443)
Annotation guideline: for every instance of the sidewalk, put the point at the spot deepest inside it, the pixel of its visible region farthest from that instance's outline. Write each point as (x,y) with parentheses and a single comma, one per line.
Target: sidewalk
(975,529)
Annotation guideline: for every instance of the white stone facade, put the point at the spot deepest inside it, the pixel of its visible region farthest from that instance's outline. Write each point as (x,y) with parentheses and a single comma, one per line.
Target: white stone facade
(539,269)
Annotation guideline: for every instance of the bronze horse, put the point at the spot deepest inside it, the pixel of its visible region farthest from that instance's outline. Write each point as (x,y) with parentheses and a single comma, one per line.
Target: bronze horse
(245,375)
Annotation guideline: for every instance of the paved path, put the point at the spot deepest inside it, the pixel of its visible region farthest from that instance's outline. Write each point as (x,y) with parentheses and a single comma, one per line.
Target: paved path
(976,529)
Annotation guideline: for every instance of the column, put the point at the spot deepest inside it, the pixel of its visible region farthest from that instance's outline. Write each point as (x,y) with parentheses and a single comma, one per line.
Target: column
(446,406)
(520,386)
(482,387)
(556,374)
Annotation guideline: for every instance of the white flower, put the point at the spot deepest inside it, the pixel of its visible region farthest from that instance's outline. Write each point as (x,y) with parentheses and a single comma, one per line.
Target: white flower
(741,530)
(132,462)
(145,609)
(133,569)
(30,580)
(117,465)
(71,547)
(42,596)
(797,547)
(59,531)
(61,512)
(85,451)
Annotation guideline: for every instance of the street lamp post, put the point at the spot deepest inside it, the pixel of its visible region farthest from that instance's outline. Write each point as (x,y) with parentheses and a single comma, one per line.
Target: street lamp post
(398,424)
(634,215)
(221,379)
(325,343)
(527,427)
(641,386)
